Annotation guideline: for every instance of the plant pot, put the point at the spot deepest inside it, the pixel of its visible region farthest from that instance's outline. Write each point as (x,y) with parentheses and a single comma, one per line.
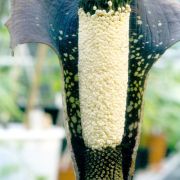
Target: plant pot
(157,148)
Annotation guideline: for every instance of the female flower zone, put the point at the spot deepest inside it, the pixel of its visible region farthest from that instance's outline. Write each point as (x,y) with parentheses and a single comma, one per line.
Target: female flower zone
(106,49)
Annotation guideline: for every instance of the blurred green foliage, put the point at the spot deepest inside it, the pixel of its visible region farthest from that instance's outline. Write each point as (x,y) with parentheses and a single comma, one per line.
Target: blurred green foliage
(162,98)
(4,35)
(8,94)
(51,80)
(8,170)
(14,92)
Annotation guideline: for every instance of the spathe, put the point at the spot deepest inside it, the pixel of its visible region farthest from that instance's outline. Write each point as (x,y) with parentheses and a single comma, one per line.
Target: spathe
(154,27)
(63,15)
(40,21)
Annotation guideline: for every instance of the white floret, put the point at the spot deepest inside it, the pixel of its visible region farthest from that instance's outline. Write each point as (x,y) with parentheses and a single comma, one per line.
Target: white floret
(110,3)
(103,77)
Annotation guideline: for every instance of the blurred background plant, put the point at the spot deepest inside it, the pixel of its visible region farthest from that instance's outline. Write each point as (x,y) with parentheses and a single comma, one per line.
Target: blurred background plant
(16,78)
(8,107)
(162,97)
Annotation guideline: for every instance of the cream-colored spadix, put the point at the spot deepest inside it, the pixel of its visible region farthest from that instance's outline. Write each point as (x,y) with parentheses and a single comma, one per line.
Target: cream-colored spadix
(103,76)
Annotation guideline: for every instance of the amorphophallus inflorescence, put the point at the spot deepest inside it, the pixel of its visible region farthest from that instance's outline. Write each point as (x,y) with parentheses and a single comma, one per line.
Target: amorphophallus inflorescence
(106,50)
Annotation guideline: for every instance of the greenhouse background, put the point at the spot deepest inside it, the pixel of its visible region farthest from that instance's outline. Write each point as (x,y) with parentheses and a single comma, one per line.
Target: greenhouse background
(33,78)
